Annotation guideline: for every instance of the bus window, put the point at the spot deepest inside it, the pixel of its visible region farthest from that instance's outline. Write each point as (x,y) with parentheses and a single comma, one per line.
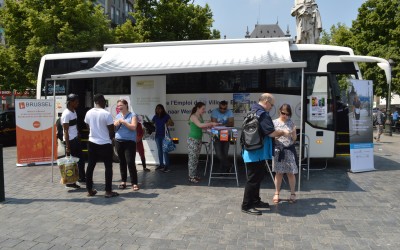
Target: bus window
(283,81)
(113,85)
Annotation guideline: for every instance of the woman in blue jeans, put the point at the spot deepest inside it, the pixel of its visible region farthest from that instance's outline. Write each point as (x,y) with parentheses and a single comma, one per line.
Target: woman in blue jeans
(161,120)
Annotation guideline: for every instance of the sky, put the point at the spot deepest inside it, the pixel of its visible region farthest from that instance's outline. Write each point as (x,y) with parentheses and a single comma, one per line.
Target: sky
(232,17)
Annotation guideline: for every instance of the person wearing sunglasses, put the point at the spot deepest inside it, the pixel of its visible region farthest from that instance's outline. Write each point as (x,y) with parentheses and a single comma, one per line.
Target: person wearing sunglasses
(223,116)
(285,160)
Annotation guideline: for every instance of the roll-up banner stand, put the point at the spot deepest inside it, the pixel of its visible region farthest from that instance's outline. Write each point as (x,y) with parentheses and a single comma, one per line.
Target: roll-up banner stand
(35,124)
(360,94)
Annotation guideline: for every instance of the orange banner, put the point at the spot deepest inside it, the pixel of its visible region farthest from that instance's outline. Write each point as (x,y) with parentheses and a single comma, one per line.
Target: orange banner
(35,120)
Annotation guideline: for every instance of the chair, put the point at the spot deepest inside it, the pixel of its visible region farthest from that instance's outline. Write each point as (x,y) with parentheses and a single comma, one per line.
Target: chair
(206,145)
(305,153)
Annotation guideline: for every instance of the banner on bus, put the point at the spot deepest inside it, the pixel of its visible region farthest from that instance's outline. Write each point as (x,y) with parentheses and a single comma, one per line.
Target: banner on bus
(35,120)
(360,94)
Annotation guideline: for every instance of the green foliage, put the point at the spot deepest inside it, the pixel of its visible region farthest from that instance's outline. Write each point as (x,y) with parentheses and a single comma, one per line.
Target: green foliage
(34,28)
(377,33)
(126,33)
(173,20)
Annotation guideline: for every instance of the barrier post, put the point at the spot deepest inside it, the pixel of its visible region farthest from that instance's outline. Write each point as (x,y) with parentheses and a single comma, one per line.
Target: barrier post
(2,195)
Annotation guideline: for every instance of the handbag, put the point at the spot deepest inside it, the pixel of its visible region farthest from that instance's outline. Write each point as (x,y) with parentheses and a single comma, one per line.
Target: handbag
(167,143)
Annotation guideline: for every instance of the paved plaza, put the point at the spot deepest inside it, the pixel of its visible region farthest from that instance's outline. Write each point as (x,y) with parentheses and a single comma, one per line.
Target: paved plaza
(336,209)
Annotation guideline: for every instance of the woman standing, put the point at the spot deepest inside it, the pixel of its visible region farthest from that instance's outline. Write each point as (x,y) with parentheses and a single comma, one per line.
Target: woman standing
(285,153)
(162,120)
(125,143)
(194,140)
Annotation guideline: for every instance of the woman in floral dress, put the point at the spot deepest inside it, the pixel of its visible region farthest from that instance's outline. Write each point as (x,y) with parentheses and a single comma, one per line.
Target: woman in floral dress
(285,154)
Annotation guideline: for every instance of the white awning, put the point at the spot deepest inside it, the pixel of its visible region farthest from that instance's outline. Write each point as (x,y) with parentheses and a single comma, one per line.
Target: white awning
(156,60)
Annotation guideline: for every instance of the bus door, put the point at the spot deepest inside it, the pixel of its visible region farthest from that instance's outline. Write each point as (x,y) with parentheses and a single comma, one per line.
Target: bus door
(319,115)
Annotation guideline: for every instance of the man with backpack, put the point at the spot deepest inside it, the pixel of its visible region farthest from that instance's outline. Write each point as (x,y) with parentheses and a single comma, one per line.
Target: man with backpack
(255,155)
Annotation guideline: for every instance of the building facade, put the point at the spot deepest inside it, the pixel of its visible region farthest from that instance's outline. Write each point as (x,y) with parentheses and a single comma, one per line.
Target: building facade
(266,31)
(117,10)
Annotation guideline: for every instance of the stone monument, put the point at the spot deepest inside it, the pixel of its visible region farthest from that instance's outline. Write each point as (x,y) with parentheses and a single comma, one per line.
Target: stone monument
(308,21)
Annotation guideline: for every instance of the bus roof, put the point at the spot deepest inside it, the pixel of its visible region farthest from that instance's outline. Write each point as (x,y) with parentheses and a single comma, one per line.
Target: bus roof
(199,42)
(73,55)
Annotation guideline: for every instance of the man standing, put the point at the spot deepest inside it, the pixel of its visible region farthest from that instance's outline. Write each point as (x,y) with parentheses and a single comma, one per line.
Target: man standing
(101,127)
(71,136)
(223,116)
(255,159)
(395,118)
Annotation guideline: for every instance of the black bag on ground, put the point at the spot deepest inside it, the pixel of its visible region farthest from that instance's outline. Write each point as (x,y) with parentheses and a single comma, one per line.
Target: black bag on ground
(251,137)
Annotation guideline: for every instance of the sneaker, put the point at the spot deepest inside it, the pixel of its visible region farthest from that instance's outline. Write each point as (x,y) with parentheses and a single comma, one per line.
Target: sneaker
(76,186)
(160,167)
(166,170)
(146,169)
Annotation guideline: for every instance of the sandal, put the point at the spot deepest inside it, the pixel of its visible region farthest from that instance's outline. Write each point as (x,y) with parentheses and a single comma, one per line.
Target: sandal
(193,180)
(93,192)
(276,199)
(292,198)
(135,187)
(111,194)
(122,186)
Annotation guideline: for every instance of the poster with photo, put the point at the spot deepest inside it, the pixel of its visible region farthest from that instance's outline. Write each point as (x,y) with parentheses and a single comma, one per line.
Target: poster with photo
(241,103)
(360,96)
(318,108)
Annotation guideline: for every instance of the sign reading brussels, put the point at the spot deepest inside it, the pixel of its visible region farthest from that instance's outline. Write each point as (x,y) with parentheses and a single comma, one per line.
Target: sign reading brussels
(35,120)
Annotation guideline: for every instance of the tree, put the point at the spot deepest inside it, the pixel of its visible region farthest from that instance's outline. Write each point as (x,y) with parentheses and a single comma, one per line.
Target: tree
(126,33)
(173,20)
(34,28)
(339,35)
(376,32)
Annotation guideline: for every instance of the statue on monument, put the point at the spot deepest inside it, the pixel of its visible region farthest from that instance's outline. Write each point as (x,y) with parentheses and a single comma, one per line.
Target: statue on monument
(308,21)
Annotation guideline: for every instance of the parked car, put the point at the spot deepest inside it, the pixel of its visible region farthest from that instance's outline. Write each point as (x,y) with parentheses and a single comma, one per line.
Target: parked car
(8,134)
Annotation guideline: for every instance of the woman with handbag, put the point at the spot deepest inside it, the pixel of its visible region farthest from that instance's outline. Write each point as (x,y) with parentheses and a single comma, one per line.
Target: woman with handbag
(162,120)
(125,143)
(194,140)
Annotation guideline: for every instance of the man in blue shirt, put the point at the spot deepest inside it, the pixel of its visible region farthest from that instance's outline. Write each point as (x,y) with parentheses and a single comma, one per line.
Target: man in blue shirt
(223,116)
(255,159)
(395,117)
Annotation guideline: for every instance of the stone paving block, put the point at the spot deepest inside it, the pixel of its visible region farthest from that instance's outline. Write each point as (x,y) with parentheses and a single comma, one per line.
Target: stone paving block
(42,246)
(25,245)
(10,242)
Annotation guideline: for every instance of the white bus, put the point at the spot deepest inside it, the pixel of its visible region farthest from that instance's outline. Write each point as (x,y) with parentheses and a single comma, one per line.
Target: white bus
(178,74)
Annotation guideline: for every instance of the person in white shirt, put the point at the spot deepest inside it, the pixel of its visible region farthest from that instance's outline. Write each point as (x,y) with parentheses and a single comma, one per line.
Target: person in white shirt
(101,127)
(73,147)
